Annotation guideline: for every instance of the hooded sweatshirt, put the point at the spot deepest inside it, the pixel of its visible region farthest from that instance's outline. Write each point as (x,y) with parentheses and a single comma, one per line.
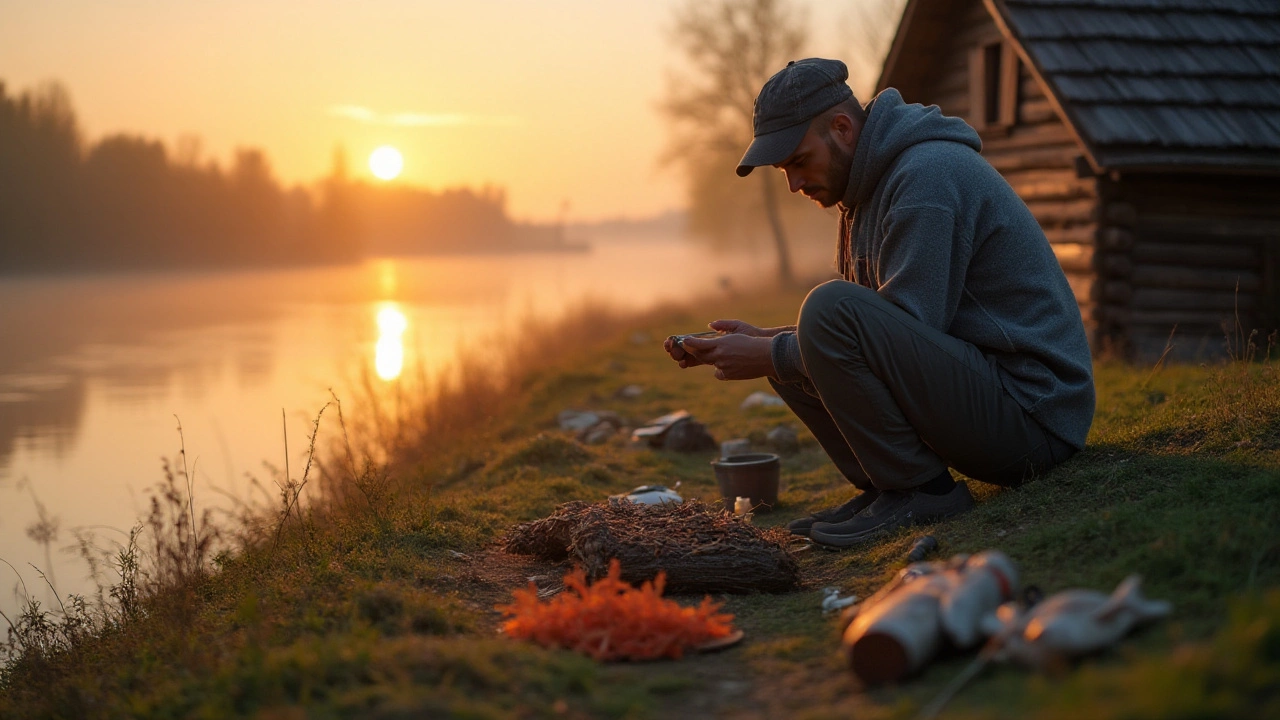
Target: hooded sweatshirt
(929,225)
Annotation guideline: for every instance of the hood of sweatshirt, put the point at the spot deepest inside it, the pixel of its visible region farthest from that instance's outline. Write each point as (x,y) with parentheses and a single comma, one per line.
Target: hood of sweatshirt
(891,127)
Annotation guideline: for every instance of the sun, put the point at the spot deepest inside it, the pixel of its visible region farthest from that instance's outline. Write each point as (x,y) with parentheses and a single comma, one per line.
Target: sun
(386,163)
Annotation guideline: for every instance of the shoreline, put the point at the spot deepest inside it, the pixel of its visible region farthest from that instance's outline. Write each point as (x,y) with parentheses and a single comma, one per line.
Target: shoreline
(362,598)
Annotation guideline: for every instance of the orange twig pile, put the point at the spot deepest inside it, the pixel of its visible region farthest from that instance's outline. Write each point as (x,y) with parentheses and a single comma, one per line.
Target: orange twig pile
(611,620)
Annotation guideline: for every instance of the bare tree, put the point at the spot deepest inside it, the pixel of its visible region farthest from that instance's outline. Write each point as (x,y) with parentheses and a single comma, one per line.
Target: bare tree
(731,47)
(867,29)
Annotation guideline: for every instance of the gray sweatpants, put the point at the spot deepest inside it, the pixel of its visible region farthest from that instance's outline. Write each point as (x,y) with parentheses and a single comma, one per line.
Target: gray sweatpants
(895,402)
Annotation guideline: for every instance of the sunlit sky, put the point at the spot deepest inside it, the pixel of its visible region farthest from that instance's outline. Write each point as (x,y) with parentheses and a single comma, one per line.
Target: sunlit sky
(554,100)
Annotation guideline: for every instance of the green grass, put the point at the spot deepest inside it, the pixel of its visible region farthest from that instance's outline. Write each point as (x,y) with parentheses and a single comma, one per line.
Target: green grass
(377,600)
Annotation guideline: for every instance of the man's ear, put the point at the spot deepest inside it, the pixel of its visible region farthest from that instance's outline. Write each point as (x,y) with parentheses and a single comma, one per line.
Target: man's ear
(843,129)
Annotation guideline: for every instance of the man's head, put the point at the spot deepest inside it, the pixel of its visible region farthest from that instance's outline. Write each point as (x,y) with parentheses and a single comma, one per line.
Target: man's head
(807,123)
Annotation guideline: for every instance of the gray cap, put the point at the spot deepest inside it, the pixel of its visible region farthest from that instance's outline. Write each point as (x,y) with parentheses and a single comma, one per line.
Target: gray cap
(786,105)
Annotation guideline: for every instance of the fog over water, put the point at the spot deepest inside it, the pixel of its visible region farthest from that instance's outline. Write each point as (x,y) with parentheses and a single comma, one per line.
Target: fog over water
(94,368)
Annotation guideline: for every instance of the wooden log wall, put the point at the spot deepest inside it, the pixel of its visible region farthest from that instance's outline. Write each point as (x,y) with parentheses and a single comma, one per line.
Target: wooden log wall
(1037,154)
(1192,263)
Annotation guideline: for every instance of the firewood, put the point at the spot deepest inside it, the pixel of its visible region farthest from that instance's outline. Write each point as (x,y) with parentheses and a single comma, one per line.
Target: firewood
(701,548)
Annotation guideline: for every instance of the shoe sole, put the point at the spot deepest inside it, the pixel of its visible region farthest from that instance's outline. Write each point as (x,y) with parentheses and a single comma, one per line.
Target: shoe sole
(843,541)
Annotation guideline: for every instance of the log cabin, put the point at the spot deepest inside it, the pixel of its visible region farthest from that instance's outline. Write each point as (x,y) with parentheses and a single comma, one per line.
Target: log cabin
(1144,135)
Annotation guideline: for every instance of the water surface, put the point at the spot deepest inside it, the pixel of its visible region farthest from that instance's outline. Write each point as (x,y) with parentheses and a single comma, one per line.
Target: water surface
(96,371)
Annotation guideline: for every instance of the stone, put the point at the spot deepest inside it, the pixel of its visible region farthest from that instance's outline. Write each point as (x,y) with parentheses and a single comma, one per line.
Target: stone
(736,446)
(760,398)
(688,435)
(577,420)
(655,430)
(629,392)
(599,434)
(784,440)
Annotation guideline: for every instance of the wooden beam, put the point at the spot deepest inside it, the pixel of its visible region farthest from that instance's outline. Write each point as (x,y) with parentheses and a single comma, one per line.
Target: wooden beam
(1061,189)
(977,87)
(1168,318)
(1074,258)
(1171,276)
(1215,226)
(1113,265)
(1008,103)
(1022,137)
(1197,255)
(1036,110)
(1055,213)
(1082,286)
(1115,239)
(1080,234)
(1120,213)
(1058,157)
(1163,299)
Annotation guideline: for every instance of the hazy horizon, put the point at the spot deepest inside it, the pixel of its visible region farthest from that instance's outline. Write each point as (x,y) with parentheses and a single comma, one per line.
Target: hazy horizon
(554,102)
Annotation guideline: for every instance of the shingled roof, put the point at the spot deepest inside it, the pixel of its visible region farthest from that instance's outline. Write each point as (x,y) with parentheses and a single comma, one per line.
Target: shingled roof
(1159,83)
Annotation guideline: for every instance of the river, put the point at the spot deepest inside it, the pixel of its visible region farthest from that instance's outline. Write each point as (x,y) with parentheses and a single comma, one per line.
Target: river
(96,371)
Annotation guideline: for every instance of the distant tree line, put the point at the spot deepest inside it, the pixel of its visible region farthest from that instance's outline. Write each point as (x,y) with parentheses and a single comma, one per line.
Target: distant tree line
(127,201)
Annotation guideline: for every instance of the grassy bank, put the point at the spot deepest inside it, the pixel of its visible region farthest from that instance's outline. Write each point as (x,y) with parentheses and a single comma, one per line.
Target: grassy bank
(376,600)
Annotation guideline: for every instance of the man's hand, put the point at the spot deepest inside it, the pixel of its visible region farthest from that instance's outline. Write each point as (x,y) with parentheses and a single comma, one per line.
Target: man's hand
(737,356)
(687,360)
(737,327)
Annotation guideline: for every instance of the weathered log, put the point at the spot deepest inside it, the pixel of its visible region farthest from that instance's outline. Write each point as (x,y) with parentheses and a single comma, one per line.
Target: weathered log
(1115,265)
(976,32)
(1074,258)
(1068,187)
(1210,226)
(1023,137)
(955,104)
(1115,239)
(1028,87)
(1057,157)
(1227,195)
(1063,213)
(1196,255)
(1164,299)
(701,548)
(1037,110)
(1187,319)
(1079,234)
(1120,213)
(1117,292)
(1082,286)
(1172,276)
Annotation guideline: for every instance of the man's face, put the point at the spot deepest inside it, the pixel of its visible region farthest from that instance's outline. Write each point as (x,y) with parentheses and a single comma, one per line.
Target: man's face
(819,167)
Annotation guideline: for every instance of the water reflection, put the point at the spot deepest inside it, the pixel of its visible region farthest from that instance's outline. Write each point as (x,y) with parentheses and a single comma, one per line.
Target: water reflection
(388,358)
(93,369)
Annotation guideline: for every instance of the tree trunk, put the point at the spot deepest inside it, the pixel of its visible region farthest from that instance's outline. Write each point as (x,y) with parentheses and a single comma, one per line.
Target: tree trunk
(775,221)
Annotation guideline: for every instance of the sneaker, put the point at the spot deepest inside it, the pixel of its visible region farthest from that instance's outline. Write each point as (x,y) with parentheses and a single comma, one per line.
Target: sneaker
(892,510)
(837,514)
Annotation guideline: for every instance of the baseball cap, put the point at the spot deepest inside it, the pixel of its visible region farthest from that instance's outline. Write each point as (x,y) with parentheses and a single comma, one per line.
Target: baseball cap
(787,103)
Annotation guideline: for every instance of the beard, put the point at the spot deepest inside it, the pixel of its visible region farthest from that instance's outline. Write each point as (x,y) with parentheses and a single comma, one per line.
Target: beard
(837,179)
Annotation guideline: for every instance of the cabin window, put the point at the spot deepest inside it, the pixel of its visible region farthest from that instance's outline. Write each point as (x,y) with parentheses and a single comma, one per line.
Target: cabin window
(993,86)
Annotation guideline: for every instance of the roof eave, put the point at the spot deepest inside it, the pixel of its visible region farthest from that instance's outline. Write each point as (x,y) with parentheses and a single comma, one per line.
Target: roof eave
(1152,161)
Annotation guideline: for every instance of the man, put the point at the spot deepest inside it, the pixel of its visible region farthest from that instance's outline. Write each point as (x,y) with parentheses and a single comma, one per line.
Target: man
(953,341)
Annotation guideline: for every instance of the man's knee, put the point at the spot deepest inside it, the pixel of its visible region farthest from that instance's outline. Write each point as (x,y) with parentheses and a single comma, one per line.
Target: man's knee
(825,304)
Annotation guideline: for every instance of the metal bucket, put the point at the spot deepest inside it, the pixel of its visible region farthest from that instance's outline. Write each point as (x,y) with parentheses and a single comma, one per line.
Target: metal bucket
(754,475)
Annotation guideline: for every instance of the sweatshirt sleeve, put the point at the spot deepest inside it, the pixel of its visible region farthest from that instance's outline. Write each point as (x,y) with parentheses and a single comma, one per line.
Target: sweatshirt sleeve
(787,363)
(922,263)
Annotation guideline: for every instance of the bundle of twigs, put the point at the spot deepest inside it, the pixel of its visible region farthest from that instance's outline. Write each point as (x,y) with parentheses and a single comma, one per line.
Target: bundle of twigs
(700,547)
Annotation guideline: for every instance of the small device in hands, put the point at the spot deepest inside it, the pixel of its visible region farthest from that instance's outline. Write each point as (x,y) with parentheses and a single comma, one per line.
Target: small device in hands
(678,340)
